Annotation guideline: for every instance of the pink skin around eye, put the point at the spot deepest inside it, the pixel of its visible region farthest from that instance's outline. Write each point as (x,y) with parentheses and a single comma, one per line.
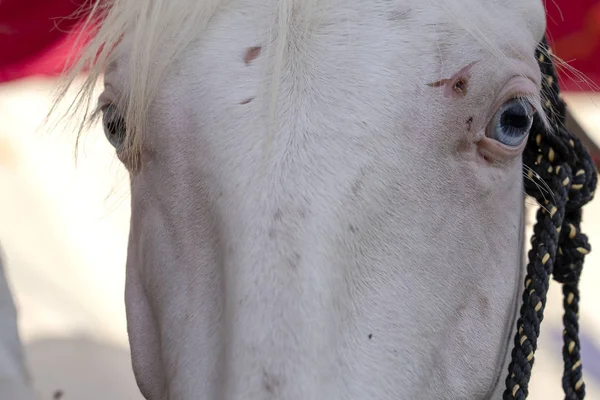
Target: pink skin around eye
(491,150)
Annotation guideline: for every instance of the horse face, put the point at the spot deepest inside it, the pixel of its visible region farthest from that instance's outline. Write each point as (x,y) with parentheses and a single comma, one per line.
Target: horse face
(327,201)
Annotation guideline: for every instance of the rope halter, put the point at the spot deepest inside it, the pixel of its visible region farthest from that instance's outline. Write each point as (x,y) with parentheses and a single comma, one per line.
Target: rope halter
(558,247)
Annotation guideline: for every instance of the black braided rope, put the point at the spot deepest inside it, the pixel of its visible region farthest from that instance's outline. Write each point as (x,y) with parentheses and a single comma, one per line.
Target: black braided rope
(557,158)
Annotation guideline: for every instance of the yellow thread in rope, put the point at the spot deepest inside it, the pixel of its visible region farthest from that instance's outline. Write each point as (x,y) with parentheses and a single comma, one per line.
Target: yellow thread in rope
(573,231)
(558,169)
(550,169)
(523,339)
(515,389)
(545,258)
(538,160)
(530,174)
(566,181)
(551,154)
(571,346)
(579,384)
(538,139)
(538,306)
(541,58)
(553,211)
(558,229)
(571,142)
(577,186)
(582,250)
(548,104)
(527,283)
(560,251)
(530,356)
(580,172)
(570,298)
(576,365)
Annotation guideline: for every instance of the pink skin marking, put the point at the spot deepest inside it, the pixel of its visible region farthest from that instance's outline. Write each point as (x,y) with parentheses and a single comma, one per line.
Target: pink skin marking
(251,54)
(457,85)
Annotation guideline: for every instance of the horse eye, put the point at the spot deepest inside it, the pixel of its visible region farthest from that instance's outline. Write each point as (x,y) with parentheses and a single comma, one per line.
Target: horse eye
(114,126)
(512,123)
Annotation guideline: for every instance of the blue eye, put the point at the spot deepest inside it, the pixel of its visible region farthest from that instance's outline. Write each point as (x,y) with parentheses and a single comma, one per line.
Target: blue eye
(511,124)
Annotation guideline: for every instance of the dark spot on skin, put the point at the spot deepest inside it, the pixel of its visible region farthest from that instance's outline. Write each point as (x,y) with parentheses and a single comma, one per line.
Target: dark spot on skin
(247,100)
(272,233)
(294,260)
(270,382)
(352,228)
(370,336)
(58,394)
(470,124)
(484,302)
(251,54)
(277,215)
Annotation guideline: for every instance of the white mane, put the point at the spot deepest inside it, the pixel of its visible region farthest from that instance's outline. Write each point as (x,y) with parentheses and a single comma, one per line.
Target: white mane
(168,25)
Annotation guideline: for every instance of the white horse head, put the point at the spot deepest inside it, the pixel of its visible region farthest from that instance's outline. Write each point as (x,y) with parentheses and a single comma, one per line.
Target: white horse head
(327,196)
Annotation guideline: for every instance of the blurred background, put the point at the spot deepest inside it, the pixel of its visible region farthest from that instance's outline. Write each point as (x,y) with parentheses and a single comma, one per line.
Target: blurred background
(64,222)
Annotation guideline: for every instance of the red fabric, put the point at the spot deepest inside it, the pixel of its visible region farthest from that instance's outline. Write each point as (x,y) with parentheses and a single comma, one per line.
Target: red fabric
(33,39)
(574,33)
(34,36)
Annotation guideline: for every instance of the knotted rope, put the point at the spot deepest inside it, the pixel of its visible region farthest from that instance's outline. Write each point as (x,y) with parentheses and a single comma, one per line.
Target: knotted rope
(558,246)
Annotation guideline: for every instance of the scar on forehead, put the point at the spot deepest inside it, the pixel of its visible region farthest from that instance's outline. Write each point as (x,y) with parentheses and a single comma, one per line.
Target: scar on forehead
(251,54)
(458,84)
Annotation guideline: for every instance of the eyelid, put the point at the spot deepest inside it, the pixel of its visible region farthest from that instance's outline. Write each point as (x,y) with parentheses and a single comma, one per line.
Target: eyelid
(497,151)
(518,87)
(104,99)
